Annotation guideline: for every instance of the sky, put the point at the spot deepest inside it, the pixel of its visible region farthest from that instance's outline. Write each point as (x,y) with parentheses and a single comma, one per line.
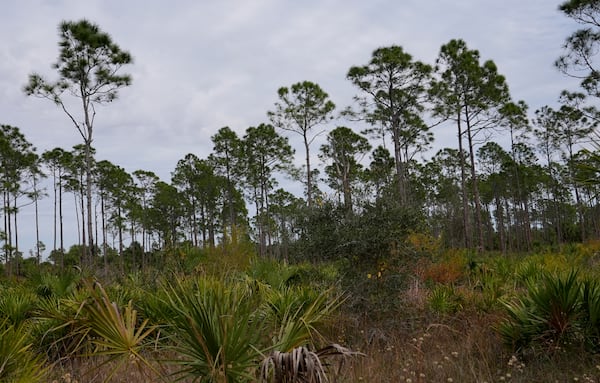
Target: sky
(202,65)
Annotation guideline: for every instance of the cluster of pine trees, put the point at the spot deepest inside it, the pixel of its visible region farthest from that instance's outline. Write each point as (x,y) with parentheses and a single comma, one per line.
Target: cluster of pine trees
(541,188)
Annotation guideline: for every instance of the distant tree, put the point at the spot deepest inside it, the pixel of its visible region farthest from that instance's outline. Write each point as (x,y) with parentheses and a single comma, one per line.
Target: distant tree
(88,67)
(57,161)
(145,183)
(582,45)
(441,180)
(265,153)
(76,183)
(560,132)
(394,90)
(35,193)
(215,203)
(471,95)
(204,193)
(17,159)
(185,178)
(115,186)
(166,210)
(226,158)
(381,170)
(299,109)
(342,152)
(286,213)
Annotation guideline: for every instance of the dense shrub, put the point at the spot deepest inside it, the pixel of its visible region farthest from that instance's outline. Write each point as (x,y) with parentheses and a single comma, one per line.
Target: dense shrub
(558,312)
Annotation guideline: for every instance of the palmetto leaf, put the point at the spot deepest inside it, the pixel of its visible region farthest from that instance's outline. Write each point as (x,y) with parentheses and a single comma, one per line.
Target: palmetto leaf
(301,365)
(18,364)
(17,305)
(296,313)
(554,312)
(216,333)
(116,334)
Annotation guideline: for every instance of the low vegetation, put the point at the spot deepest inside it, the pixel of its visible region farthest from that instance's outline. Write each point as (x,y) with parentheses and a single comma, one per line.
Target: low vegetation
(445,316)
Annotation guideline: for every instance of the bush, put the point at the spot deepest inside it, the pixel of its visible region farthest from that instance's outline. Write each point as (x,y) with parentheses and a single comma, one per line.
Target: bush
(18,363)
(444,300)
(559,311)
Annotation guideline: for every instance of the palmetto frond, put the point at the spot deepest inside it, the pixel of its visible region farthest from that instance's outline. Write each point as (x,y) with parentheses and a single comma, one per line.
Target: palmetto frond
(301,365)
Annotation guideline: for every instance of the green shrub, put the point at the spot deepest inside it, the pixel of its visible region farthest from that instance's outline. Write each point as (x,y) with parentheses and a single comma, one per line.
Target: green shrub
(443,300)
(18,363)
(590,307)
(557,312)
(214,332)
(17,305)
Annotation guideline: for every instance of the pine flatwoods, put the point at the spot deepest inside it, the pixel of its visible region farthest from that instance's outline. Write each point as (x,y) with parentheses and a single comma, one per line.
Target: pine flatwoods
(479,263)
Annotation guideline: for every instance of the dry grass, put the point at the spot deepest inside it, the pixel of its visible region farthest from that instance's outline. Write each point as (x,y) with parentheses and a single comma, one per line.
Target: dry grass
(96,370)
(462,348)
(411,345)
(458,348)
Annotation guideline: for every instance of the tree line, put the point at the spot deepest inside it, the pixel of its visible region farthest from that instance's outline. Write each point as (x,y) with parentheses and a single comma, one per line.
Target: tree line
(539,189)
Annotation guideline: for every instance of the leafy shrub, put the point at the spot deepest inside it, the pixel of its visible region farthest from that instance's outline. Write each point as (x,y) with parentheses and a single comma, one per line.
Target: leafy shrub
(444,299)
(558,311)
(18,363)
(590,307)
(17,305)
(211,330)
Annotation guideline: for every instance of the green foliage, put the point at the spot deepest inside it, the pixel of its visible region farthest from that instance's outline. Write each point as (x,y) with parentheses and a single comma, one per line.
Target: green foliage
(559,311)
(444,300)
(18,362)
(60,285)
(279,275)
(300,108)
(296,313)
(115,332)
(211,330)
(582,45)
(590,313)
(17,305)
(328,233)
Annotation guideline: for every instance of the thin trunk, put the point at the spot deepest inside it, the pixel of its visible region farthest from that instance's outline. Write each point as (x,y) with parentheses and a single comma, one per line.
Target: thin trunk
(60,220)
(15,211)
(259,224)
(96,222)
(475,185)
(308,172)
(6,231)
(509,231)
(463,186)
(84,250)
(527,224)
(37,222)
(16,249)
(399,168)
(194,223)
(88,168)
(104,244)
(9,233)
(229,190)
(211,228)
(266,218)
(77,219)
(203,219)
(500,218)
(132,246)
(120,233)
(55,209)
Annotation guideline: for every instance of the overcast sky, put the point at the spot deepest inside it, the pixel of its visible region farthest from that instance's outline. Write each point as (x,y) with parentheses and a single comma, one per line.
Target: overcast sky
(202,65)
